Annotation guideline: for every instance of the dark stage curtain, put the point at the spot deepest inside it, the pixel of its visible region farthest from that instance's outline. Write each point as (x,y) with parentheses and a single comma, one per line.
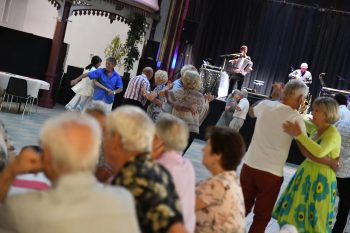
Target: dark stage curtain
(279,36)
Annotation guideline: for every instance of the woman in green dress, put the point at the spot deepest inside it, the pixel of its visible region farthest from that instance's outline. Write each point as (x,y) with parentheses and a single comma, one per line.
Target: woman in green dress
(309,199)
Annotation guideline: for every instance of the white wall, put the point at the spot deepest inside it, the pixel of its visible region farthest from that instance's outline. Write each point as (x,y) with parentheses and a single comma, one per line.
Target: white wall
(86,35)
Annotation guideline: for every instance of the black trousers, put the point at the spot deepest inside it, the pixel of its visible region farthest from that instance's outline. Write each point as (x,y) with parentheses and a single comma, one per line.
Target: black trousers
(343,185)
(239,78)
(190,140)
(133,102)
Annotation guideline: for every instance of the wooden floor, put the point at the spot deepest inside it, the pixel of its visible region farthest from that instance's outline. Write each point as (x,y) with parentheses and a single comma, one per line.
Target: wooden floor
(25,132)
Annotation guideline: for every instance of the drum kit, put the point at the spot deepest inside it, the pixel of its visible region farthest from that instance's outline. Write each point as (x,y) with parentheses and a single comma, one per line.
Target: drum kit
(215,78)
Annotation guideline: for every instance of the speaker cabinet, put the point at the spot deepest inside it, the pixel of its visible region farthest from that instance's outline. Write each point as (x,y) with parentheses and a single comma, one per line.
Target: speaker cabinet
(151,50)
(66,93)
(189,31)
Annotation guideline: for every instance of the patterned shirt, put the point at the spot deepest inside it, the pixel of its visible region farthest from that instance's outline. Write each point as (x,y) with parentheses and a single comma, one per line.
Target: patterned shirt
(225,205)
(153,109)
(157,203)
(134,90)
(343,127)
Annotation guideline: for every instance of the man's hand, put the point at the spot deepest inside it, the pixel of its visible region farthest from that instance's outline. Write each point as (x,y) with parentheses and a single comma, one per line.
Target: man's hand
(73,82)
(209,97)
(28,161)
(292,129)
(110,92)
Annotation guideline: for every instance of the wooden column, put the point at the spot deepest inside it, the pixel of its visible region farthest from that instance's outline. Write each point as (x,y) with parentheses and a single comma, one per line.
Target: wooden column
(47,99)
(172,37)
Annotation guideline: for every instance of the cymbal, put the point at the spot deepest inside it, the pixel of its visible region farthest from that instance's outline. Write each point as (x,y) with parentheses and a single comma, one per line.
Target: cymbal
(229,55)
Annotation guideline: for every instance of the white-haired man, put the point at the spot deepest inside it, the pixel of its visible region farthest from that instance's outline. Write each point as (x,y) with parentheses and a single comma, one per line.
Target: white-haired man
(127,146)
(241,110)
(262,172)
(170,142)
(302,74)
(76,202)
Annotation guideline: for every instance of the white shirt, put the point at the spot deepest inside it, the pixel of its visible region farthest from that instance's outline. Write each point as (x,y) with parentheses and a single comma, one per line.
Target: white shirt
(343,127)
(76,203)
(244,106)
(268,150)
(344,113)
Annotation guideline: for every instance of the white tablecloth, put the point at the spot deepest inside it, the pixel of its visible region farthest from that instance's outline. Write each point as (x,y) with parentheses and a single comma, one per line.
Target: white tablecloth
(33,85)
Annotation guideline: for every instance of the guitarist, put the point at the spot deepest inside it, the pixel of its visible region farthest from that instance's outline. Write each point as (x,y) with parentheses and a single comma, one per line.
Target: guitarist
(237,75)
(303,74)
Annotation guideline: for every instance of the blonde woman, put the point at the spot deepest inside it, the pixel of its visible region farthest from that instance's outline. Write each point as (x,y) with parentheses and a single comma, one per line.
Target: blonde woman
(309,199)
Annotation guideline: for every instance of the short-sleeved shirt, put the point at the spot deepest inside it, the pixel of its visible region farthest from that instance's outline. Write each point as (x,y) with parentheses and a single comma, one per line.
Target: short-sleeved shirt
(157,203)
(135,86)
(268,150)
(113,82)
(244,105)
(343,127)
(225,205)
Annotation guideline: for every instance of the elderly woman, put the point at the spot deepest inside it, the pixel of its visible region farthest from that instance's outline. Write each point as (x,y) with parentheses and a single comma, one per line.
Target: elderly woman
(189,104)
(172,136)
(308,201)
(155,108)
(219,199)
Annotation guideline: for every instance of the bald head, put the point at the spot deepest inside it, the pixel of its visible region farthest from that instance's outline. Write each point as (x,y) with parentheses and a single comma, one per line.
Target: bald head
(148,71)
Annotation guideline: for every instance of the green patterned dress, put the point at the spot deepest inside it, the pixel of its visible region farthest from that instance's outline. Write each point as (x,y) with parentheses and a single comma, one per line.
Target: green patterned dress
(309,199)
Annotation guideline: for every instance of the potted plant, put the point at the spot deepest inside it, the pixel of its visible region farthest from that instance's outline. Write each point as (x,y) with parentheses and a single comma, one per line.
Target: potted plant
(116,49)
(135,36)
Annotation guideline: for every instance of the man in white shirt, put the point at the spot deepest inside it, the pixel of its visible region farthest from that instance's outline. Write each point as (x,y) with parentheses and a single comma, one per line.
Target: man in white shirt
(342,100)
(262,172)
(241,111)
(76,202)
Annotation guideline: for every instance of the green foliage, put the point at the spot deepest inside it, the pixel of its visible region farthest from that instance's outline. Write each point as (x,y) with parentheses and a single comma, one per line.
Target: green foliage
(116,49)
(135,36)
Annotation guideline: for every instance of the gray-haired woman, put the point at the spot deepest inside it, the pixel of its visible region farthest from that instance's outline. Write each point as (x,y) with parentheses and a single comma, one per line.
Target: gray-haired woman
(189,104)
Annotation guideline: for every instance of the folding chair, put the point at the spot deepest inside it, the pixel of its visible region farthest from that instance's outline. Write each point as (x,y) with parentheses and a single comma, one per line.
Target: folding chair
(16,88)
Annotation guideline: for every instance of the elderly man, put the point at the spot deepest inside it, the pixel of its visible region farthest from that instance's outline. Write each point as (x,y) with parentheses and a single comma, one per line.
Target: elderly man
(343,177)
(170,142)
(136,88)
(302,74)
(76,202)
(127,146)
(262,172)
(107,83)
(241,110)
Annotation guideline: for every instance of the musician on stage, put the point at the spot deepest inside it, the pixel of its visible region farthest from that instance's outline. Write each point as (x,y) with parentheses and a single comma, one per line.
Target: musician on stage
(238,74)
(303,74)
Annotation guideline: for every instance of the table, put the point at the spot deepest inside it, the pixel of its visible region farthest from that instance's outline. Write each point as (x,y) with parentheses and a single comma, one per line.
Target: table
(33,85)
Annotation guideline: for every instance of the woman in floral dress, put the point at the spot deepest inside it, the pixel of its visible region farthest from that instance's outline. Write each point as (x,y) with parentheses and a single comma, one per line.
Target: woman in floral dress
(309,199)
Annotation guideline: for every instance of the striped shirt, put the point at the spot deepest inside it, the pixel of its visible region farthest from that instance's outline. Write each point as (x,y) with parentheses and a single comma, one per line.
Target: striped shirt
(343,127)
(134,90)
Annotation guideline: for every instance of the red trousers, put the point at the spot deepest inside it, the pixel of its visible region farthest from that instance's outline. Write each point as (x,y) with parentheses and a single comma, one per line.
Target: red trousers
(260,189)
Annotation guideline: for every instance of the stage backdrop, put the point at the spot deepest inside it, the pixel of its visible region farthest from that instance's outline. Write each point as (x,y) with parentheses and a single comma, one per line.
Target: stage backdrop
(279,36)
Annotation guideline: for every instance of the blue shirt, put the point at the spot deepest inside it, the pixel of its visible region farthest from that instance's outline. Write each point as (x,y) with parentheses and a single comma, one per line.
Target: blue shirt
(114,82)
(177,84)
